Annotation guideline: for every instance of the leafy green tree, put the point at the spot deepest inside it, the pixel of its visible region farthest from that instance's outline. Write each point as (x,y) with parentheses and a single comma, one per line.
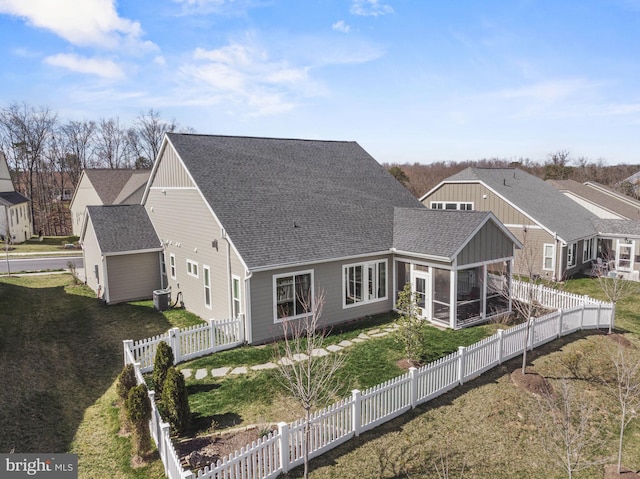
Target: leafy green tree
(175,401)
(161,364)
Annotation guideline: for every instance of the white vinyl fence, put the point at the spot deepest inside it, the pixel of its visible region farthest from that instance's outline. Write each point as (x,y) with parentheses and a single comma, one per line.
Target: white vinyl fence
(282,450)
(188,343)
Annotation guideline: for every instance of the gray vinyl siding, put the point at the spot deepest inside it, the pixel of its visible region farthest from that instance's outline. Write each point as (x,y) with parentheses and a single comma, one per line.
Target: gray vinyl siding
(489,243)
(188,230)
(475,193)
(133,276)
(92,258)
(327,278)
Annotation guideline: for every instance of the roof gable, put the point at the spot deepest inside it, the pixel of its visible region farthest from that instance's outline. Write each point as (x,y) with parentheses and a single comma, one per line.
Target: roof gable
(122,228)
(6,185)
(285,201)
(108,183)
(536,198)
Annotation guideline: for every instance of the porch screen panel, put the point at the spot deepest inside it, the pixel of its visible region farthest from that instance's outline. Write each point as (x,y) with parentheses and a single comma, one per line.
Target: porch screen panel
(441,293)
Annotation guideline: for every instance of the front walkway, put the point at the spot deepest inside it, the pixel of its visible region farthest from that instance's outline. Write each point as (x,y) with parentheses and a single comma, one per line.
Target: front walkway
(230,371)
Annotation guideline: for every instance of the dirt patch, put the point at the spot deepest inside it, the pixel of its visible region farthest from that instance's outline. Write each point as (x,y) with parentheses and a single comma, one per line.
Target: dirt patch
(531,382)
(198,452)
(611,472)
(406,364)
(620,339)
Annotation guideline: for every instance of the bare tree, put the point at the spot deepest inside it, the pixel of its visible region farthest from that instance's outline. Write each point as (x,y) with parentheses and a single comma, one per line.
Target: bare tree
(567,430)
(306,372)
(615,288)
(112,144)
(25,131)
(626,388)
(146,136)
(78,137)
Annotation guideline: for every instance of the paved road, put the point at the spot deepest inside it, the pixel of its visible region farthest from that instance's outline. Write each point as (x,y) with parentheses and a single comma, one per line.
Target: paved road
(39,264)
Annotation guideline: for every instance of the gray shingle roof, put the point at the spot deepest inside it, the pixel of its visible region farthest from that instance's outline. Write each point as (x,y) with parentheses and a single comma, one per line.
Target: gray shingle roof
(123,228)
(610,202)
(108,183)
(133,190)
(434,232)
(286,201)
(11,198)
(538,199)
(617,227)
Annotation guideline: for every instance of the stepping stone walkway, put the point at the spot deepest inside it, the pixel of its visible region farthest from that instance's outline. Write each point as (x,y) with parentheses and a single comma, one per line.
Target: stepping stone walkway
(332,348)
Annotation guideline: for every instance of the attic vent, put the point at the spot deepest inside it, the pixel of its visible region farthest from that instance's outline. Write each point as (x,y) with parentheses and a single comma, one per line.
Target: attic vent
(295,225)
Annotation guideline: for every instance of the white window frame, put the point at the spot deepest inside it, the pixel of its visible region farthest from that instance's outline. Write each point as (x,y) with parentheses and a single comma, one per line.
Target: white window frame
(366,295)
(236,298)
(545,256)
(572,252)
(206,276)
(442,205)
(588,249)
(277,301)
(172,265)
(192,268)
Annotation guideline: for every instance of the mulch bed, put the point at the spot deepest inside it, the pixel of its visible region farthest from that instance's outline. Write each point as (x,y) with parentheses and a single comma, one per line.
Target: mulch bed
(198,452)
(531,382)
(611,472)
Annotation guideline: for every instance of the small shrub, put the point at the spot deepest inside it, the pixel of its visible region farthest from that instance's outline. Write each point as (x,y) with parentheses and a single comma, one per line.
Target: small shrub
(126,381)
(175,401)
(138,408)
(410,326)
(161,364)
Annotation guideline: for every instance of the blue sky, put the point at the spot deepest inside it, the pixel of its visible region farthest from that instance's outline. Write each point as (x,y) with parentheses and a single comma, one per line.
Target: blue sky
(409,80)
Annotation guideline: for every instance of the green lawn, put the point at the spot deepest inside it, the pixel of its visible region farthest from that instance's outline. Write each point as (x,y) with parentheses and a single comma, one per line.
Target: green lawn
(259,396)
(61,350)
(48,244)
(60,353)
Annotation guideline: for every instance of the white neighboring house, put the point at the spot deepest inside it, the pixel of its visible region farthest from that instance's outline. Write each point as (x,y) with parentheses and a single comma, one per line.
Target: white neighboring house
(15,215)
(98,187)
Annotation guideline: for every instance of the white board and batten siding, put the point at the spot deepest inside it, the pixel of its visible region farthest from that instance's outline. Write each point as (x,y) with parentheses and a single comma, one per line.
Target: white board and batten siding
(189,231)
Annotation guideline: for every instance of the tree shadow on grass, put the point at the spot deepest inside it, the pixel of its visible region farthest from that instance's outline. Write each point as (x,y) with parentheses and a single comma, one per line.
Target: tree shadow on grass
(60,350)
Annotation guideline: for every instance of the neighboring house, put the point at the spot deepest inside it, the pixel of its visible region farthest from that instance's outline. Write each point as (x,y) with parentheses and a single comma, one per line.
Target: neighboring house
(558,235)
(618,226)
(98,187)
(256,227)
(15,214)
(127,259)
(602,201)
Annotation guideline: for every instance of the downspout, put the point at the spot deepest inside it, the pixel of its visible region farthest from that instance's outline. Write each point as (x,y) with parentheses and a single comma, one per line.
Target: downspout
(453,295)
(105,278)
(248,336)
(558,260)
(229,277)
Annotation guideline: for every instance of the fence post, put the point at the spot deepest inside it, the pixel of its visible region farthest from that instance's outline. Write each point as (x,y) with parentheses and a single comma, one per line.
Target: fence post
(461,350)
(164,436)
(283,433)
(413,386)
(174,342)
(582,317)
(212,334)
(532,330)
(560,315)
(598,316)
(612,317)
(241,327)
(127,344)
(500,341)
(356,411)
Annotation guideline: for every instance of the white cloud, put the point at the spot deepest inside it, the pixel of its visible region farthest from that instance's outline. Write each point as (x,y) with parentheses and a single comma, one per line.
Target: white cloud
(244,73)
(92,66)
(83,23)
(370,8)
(341,26)
(160,60)
(547,91)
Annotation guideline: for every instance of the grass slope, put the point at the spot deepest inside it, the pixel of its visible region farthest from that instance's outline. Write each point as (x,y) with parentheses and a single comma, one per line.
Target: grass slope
(60,353)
